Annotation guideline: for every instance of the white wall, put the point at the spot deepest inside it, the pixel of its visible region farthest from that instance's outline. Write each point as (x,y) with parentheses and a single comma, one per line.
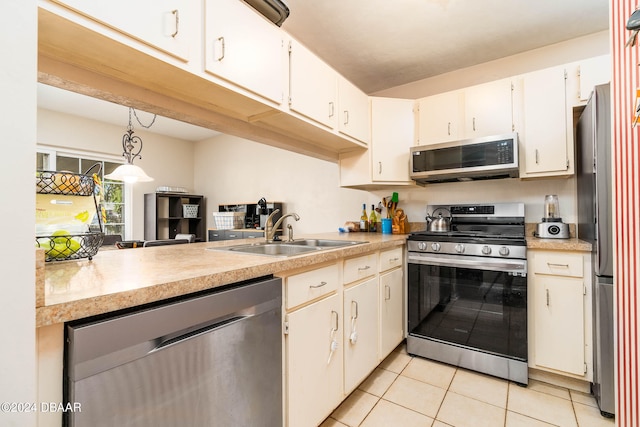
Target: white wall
(232,170)
(18,30)
(168,160)
(531,193)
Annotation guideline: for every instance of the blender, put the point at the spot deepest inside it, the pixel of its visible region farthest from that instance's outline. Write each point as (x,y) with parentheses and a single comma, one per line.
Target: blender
(552,226)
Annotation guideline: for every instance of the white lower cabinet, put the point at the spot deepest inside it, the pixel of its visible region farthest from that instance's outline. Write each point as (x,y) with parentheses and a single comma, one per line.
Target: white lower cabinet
(360,332)
(336,334)
(560,326)
(313,363)
(391,319)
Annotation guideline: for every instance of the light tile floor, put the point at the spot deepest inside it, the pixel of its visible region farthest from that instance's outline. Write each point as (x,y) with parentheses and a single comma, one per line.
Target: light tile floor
(410,391)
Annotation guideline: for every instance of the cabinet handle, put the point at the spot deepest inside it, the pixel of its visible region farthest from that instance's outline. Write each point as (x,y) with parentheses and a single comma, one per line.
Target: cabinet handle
(222,47)
(474,124)
(318,286)
(550,264)
(394,259)
(449,128)
(537,157)
(366,267)
(331,109)
(336,323)
(379,168)
(387,292)
(176,15)
(346,117)
(356,305)
(547,297)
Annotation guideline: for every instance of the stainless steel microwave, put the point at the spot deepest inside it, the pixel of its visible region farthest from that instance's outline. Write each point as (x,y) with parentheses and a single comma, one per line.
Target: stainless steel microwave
(489,157)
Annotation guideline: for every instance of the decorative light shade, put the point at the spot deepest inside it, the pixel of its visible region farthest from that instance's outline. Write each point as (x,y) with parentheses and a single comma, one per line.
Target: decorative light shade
(129,172)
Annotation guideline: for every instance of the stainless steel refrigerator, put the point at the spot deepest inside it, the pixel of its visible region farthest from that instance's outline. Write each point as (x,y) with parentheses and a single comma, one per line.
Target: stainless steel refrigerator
(593,163)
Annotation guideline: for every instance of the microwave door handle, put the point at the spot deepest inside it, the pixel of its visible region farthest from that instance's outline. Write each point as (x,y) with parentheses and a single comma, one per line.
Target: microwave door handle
(476,263)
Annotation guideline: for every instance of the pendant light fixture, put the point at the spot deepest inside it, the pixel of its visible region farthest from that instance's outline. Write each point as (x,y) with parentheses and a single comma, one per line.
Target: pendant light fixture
(132,146)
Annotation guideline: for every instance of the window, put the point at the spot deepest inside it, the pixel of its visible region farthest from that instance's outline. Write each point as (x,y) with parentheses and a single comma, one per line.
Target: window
(115,193)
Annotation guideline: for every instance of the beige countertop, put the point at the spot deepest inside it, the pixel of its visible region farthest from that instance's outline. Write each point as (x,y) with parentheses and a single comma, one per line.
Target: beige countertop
(125,278)
(571,244)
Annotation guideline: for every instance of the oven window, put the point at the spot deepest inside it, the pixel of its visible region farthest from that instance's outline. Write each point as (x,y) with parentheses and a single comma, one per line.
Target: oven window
(484,310)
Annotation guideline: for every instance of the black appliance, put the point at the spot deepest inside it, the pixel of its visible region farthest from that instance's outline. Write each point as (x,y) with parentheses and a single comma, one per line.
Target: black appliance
(593,164)
(488,157)
(467,290)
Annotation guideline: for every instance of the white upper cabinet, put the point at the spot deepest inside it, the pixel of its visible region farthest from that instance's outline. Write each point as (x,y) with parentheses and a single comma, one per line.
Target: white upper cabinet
(439,118)
(392,130)
(312,86)
(592,72)
(244,48)
(488,109)
(473,112)
(386,162)
(167,25)
(353,119)
(547,145)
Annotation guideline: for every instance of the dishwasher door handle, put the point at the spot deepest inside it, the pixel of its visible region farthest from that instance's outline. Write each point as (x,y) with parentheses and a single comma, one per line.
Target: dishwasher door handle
(164,343)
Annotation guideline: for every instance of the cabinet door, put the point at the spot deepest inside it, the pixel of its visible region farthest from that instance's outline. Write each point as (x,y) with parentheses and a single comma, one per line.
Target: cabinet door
(392,130)
(593,72)
(360,333)
(314,374)
(391,323)
(244,48)
(544,137)
(353,104)
(167,25)
(559,323)
(488,109)
(440,117)
(312,86)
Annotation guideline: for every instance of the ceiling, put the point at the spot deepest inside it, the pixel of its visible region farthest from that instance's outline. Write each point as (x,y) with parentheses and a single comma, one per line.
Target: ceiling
(380,44)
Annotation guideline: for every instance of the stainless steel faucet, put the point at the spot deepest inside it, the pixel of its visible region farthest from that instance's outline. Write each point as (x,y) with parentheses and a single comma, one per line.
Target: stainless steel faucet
(270,228)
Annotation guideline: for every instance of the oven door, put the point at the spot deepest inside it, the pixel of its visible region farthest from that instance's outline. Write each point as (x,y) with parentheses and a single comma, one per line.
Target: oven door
(471,302)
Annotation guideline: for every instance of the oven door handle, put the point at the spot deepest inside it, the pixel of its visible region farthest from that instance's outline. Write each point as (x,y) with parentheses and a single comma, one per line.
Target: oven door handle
(477,263)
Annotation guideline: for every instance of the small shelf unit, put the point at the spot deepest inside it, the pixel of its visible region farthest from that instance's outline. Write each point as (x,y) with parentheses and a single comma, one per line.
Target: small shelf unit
(164,216)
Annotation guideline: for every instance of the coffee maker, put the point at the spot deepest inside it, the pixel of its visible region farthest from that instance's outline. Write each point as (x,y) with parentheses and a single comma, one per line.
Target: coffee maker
(552,226)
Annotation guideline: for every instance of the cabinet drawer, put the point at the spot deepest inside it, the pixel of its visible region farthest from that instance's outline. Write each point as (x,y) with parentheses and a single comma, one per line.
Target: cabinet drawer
(390,259)
(558,264)
(307,286)
(359,268)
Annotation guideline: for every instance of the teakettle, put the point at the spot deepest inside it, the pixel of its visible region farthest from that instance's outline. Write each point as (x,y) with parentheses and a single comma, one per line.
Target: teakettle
(439,223)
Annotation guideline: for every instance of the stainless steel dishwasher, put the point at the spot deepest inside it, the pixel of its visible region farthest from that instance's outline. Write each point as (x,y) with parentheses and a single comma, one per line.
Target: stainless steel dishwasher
(214,359)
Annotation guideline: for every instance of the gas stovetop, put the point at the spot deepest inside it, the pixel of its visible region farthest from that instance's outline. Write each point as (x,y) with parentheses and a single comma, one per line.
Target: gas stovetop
(489,230)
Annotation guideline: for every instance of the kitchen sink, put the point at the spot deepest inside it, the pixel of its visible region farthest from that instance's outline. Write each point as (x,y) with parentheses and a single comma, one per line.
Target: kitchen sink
(274,249)
(286,249)
(324,243)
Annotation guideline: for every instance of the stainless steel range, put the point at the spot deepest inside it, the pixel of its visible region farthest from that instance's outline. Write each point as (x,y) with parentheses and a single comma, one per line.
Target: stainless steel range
(467,296)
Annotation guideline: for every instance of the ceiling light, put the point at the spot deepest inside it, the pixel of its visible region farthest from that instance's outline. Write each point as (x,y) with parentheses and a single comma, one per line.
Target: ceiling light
(132,146)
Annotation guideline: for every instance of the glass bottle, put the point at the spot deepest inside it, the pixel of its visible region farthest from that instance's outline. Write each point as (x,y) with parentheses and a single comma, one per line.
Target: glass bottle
(373,220)
(364,219)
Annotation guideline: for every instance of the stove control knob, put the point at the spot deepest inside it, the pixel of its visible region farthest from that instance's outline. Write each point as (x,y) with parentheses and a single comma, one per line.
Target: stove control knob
(504,251)
(435,247)
(422,246)
(486,250)
(459,248)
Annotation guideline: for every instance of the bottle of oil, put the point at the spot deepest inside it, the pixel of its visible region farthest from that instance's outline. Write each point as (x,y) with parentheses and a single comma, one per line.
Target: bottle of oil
(373,220)
(364,219)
